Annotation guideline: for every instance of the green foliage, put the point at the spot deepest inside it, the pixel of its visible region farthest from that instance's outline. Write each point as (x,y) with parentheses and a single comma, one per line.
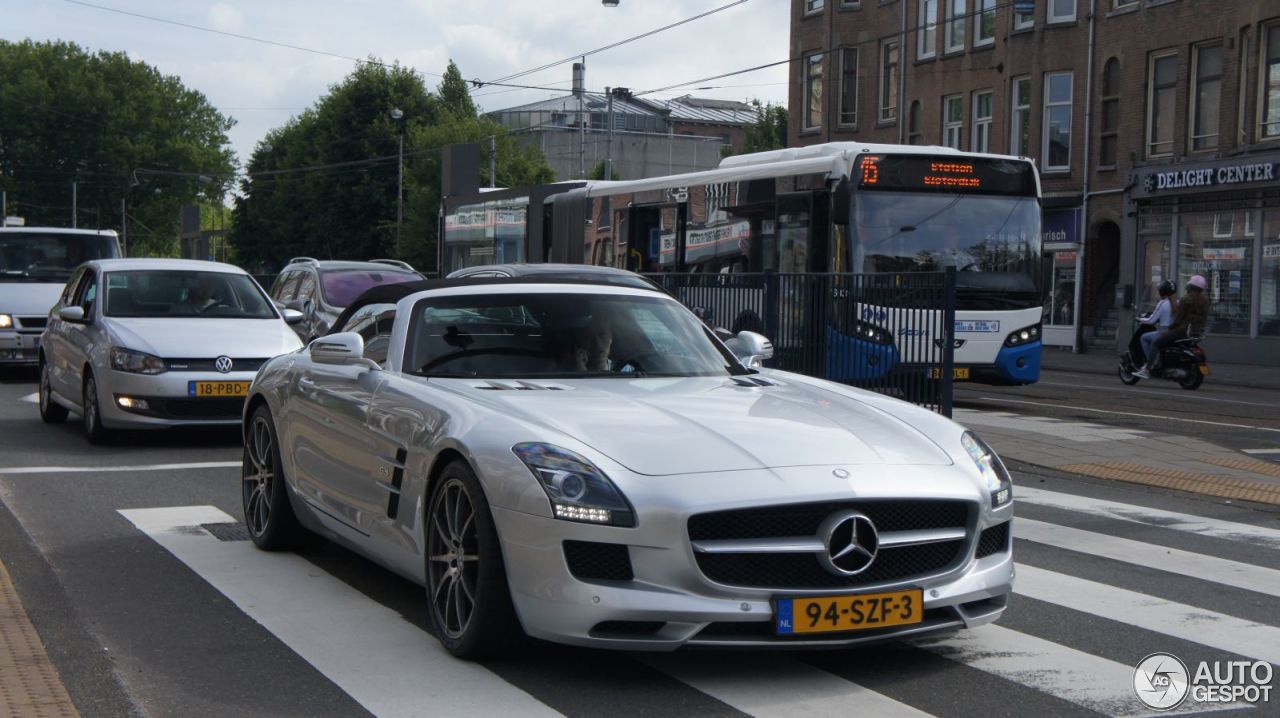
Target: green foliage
(597,172)
(347,210)
(68,115)
(769,132)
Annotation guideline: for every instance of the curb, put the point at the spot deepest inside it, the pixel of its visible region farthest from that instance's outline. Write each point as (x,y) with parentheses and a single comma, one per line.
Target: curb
(1216,378)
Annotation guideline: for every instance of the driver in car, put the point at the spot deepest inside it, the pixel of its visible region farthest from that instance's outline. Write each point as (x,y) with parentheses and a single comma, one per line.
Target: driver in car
(200,296)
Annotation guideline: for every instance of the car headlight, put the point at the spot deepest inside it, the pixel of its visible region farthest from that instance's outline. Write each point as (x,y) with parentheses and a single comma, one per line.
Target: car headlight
(577,489)
(6,321)
(1024,335)
(999,483)
(136,362)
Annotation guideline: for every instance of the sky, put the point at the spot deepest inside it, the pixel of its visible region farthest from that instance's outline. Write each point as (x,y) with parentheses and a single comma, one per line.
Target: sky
(261,86)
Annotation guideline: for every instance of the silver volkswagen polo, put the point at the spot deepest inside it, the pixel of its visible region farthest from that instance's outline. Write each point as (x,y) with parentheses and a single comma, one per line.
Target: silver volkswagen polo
(588,464)
(149,343)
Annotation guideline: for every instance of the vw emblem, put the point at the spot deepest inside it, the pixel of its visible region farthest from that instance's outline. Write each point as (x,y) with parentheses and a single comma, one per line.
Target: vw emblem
(840,473)
(851,542)
(223,364)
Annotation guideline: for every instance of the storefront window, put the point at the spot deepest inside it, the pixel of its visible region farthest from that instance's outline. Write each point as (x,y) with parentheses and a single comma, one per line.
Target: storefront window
(1269,305)
(1154,239)
(1226,264)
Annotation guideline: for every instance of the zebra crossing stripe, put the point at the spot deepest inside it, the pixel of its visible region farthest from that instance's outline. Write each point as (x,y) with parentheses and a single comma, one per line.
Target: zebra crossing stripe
(767,685)
(1215,528)
(387,664)
(1171,560)
(1098,684)
(1210,628)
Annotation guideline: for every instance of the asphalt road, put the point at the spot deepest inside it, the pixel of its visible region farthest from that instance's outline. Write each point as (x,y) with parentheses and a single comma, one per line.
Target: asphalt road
(147,613)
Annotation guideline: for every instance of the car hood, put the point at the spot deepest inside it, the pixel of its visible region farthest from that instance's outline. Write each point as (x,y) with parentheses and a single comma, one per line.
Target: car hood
(28,298)
(205,338)
(677,426)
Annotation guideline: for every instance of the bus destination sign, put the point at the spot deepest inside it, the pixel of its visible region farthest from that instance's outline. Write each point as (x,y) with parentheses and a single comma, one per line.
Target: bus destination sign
(976,175)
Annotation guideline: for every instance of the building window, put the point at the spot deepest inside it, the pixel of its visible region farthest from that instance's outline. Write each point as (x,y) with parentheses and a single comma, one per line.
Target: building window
(1270,107)
(889,81)
(813,6)
(849,86)
(1162,84)
(981,122)
(1024,19)
(984,30)
(1020,120)
(913,124)
(1124,3)
(927,32)
(1056,148)
(953,37)
(953,121)
(1062,10)
(1110,113)
(1206,93)
(812,91)
(850,3)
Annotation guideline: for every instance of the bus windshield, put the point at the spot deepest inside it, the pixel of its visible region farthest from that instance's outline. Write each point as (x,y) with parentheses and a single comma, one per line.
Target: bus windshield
(993,242)
(49,258)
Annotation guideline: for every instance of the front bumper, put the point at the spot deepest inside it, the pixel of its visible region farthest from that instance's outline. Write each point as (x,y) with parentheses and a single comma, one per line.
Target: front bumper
(169,401)
(667,602)
(19,347)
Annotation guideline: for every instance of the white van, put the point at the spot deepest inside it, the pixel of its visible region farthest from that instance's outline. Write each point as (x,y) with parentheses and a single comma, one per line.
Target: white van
(35,264)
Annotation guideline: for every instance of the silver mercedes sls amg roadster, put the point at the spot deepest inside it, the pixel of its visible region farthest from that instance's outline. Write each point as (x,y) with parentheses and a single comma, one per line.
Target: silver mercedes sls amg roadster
(588,464)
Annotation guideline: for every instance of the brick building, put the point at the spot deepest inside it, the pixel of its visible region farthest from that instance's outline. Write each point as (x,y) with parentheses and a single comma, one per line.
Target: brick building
(1155,124)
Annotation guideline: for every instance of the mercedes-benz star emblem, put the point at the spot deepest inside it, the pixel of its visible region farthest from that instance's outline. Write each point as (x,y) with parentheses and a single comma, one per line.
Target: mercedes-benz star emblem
(851,542)
(223,364)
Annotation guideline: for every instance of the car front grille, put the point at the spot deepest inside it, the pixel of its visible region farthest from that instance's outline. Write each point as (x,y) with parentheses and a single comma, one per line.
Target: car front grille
(804,519)
(993,540)
(803,570)
(591,560)
(194,409)
(208,364)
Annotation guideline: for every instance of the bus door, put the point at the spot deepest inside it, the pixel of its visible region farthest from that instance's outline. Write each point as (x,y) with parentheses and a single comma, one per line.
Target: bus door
(803,231)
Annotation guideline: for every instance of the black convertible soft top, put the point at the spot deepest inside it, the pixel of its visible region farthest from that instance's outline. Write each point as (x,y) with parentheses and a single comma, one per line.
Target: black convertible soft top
(392,293)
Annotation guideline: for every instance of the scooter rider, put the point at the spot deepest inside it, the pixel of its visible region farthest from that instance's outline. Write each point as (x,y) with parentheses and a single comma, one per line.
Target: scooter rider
(1192,315)
(1161,318)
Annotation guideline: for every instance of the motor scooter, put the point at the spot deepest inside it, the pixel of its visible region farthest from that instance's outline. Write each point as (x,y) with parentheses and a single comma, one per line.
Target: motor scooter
(1184,361)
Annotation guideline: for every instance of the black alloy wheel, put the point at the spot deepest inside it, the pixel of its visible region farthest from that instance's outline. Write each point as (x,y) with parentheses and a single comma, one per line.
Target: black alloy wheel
(471,611)
(51,412)
(1193,378)
(268,514)
(92,413)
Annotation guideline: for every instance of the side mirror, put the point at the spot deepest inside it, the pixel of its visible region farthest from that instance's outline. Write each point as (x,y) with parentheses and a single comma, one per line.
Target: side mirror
(751,349)
(344,348)
(72,314)
(291,316)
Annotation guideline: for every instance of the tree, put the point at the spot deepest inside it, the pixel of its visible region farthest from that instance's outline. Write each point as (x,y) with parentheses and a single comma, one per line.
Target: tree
(324,185)
(597,172)
(118,129)
(769,132)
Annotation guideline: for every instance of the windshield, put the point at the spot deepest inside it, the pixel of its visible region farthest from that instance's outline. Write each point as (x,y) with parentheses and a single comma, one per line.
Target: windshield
(340,287)
(992,241)
(195,294)
(569,335)
(37,257)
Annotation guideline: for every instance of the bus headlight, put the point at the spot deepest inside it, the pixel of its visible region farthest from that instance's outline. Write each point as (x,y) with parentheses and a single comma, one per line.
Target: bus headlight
(999,483)
(1022,336)
(867,332)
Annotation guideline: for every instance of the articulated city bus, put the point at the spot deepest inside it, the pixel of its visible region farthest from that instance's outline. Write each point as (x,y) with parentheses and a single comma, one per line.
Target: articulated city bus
(863,217)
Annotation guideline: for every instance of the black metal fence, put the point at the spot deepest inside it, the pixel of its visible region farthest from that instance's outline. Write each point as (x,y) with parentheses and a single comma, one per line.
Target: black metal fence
(890,333)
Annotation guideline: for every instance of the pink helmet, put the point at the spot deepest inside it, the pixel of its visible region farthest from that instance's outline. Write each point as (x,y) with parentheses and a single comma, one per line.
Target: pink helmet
(1197,281)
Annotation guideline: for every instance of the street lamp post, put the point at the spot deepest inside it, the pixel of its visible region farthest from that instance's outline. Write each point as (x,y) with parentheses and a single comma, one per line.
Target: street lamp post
(397,114)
